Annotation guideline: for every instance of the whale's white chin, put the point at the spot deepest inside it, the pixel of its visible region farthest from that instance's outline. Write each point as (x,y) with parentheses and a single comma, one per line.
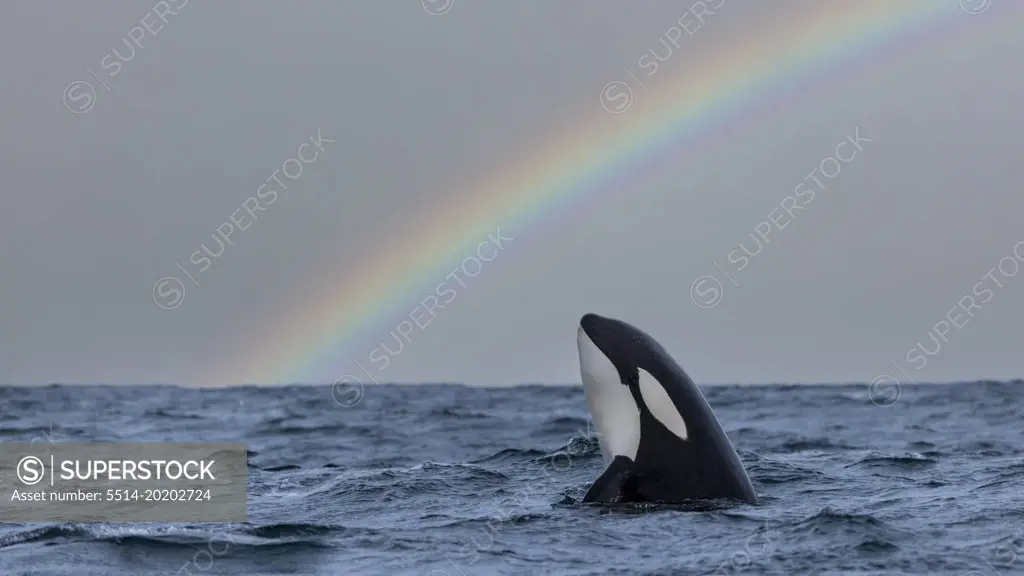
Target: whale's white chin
(616,416)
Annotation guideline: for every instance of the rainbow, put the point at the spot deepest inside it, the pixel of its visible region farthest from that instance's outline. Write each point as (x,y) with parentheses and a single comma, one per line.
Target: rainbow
(306,342)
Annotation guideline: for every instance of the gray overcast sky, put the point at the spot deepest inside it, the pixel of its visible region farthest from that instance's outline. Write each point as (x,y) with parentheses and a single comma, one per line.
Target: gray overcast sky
(98,206)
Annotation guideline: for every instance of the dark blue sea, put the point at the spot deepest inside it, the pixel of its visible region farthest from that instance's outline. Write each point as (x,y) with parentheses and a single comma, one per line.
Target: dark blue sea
(446,480)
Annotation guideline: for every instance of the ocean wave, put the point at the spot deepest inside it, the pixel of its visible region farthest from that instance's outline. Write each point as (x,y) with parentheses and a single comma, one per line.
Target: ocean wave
(771,472)
(239,535)
(511,455)
(804,444)
(908,461)
(459,414)
(831,521)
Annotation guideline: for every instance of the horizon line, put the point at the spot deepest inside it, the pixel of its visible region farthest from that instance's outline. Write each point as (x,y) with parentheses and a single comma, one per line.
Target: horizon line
(516,385)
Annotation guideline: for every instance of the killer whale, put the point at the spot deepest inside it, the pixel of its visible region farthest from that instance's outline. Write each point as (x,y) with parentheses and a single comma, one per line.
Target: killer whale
(659,438)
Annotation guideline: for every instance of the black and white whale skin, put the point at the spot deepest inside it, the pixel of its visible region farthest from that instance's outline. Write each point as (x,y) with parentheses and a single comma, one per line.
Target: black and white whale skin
(658,435)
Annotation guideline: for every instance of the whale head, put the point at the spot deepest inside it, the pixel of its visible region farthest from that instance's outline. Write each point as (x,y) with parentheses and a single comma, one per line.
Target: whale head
(616,361)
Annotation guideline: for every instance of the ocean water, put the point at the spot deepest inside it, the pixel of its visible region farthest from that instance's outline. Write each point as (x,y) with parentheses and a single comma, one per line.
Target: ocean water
(445,480)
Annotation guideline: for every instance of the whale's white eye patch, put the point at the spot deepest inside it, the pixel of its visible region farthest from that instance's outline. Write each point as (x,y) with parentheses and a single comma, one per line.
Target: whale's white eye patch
(660,405)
